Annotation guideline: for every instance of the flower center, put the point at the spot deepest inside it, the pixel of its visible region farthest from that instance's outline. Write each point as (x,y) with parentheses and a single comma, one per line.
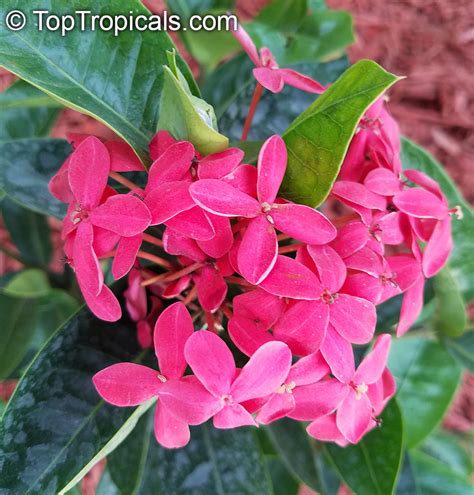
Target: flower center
(388,278)
(372,124)
(457,212)
(327,297)
(227,400)
(375,232)
(360,390)
(266,208)
(79,215)
(286,388)
(162,378)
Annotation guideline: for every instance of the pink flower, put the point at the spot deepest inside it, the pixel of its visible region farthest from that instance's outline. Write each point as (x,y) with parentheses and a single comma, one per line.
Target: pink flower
(130,384)
(224,388)
(259,248)
(355,414)
(267,72)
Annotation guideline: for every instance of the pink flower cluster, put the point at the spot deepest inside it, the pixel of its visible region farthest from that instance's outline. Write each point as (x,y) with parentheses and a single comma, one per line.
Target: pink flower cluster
(295,288)
(303,291)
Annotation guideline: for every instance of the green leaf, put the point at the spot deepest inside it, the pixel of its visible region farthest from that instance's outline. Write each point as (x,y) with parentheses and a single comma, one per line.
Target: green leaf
(371,467)
(461,261)
(56,422)
(427,378)
(187,117)
(282,481)
(450,316)
(432,477)
(446,448)
(229,89)
(38,160)
(315,157)
(462,349)
(25,112)
(117,80)
(28,283)
(296,450)
(214,462)
(29,231)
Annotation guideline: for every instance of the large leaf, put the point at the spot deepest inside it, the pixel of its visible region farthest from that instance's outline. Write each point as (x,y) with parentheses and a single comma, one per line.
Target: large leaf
(450,317)
(462,349)
(38,160)
(314,156)
(427,378)
(118,80)
(25,112)
(461,261)
(371,467)
(214,462)
(229,89)
(29,232)
(56,422)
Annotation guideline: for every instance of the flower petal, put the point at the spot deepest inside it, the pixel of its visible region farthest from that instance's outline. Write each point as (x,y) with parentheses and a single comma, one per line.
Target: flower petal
(125,255)
(246,335)
(308,369)
(325,429)
(426,182)
(86,265)
(211,287)
(233,416)
(289,278)
(243,178)
(339,355)
(277,407)
(270,79)
(222,242)
(331,269)
(353,416)
(123,158)
(247,44)
(358,194)
(271,168)
(211,361)
(372,366)
(303,327)
(303,223)
(265,371)
(127,384)
(216,196)
(217,165)
(123,214)
(350,239)
(383,181)
(300,81)
(258,250)
(172,329)
(438,248)
(167,200)
(412,305)
(260,307)
(161,141)
(354,318)
(104,305)
(170,432)
(178,245)
(89,168)
(193,223)
(420,203)
(59,184)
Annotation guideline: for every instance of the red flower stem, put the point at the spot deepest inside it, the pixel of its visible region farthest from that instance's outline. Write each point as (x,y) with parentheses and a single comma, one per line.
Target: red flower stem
(152,240)
(283,237)
(257,94)
(191,295)
(122,180)
(211,323)
(226,310)
(289,249)
(169,277)
(238,281)
(155,259)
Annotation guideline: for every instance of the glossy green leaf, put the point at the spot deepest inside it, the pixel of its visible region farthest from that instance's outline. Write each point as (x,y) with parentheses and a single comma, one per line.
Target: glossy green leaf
(461,261)
(25,112)
(56,422)
(432,477)
(446,447)
(229,89)
(450,316)
(297,451)
(315,157)
(462,349)
(118,80)
(28,283)
(371,467)
(282,481)
(427,378)
(38,160)
(29,231)
(214,462)
(187,117)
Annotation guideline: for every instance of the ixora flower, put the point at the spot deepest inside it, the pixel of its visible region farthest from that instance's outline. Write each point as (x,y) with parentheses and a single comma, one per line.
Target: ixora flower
(268,73)
(259,247)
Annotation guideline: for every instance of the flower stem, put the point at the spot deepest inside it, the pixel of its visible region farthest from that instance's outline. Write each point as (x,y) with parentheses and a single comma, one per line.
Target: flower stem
(170,276)
(226,310)
(257,94)
(152,240)
(290,248)
(122,180)
(155,259)
(191,295)
(211,324)
(238,281)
